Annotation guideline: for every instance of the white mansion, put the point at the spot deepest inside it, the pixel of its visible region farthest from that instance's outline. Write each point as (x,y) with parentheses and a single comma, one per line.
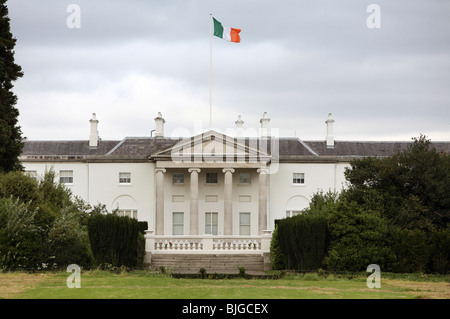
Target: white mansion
(207,194)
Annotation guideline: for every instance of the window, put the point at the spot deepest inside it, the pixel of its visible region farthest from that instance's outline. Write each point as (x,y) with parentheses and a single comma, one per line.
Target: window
(124,178)
(178,224)
(132,213)
(245,178)
(211,223)
(291,213)
(298,178)
(66,177)
(244,224)
(178,178)
(32,174)
(211,178)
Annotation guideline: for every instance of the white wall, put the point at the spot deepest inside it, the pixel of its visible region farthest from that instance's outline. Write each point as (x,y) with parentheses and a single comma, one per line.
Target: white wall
(318,176)
(99,183)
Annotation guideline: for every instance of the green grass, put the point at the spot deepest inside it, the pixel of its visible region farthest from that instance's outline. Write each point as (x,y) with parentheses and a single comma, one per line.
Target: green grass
(146,285)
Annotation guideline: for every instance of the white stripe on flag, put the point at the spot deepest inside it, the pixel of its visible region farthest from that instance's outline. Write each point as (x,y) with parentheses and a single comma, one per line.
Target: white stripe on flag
(227,33)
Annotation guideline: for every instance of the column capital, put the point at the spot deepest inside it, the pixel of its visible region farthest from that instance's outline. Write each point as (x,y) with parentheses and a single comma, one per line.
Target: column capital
(162,170)
(228,169)
(195,169)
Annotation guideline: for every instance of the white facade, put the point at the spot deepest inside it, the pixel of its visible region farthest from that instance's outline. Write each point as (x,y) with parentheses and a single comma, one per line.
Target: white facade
(207,193)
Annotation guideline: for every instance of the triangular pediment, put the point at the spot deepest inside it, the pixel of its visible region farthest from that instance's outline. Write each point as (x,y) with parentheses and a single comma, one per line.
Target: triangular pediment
(213,146)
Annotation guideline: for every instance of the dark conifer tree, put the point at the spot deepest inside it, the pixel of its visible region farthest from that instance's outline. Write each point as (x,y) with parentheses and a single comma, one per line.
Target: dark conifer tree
(10,132)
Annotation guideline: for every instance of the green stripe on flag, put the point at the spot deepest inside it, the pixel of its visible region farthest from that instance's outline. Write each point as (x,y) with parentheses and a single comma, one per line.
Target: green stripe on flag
(218,29)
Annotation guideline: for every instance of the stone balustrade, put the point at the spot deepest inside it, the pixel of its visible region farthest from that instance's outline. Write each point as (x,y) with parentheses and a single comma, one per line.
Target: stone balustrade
(207,244)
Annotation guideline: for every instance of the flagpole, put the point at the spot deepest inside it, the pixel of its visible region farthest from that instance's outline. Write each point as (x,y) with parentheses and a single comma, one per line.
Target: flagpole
(210,70)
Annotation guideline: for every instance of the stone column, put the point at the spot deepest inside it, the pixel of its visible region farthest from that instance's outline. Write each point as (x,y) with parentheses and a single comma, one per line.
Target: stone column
(228,201)
(194,200)
(159,220)
(262,204)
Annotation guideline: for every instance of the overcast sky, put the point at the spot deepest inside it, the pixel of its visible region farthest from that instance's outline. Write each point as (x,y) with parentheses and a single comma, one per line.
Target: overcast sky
(298,61)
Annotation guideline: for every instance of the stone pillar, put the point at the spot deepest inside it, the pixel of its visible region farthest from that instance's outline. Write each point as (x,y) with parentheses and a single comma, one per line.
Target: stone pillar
(228,201)
(194,200)
(159,220)
(262,205)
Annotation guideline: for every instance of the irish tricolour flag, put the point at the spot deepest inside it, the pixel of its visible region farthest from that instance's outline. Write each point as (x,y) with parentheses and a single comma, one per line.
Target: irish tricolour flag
(226,33)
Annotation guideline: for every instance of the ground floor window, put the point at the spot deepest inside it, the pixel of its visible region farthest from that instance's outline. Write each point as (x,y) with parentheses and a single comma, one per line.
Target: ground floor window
(290,213)
(132,213)
(178,223)
(244,224)
(211,223)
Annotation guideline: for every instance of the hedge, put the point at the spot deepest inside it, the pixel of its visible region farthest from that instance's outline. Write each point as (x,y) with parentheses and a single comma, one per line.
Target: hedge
(303,240)
(116,240)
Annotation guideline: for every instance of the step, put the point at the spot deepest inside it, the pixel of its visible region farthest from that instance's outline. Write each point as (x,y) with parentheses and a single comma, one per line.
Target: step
(211,263)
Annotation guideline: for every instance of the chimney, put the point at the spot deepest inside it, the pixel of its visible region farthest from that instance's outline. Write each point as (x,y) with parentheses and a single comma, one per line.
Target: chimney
(330,135)
(265,130)
(239,127)
(159,132)
(93,138)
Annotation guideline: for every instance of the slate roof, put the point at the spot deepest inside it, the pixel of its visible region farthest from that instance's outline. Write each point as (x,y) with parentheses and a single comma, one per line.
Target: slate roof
(368,148)
(65,148)
(290,149)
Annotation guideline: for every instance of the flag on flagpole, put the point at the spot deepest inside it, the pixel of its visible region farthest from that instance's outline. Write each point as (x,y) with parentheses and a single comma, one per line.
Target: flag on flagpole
(226,33)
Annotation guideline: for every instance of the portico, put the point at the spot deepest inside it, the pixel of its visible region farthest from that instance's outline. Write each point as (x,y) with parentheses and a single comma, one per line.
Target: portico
(212,199)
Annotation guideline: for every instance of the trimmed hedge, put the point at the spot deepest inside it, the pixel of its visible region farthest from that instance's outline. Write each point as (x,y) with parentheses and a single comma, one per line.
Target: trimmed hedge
(116,240)
(303,240)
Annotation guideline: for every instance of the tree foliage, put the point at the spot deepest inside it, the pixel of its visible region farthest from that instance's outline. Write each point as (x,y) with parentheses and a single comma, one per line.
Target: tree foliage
(41,226)
(10,133)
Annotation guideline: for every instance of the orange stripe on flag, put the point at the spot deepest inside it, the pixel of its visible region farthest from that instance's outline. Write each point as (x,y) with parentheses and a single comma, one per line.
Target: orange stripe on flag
(234,33)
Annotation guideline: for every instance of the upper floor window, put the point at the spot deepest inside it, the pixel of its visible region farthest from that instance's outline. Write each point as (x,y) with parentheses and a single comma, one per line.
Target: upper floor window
(66,177)
(124,178)
(178,178)
(245,178)
(211,178)
(298,178)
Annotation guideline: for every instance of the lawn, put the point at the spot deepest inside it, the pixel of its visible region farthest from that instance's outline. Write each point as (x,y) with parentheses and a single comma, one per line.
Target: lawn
(147,285)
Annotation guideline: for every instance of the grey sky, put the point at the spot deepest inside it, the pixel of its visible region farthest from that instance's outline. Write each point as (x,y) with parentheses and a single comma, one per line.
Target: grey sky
(297,61)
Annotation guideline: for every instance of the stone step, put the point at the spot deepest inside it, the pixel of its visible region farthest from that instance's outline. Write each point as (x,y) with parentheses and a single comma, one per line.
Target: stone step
(211,263)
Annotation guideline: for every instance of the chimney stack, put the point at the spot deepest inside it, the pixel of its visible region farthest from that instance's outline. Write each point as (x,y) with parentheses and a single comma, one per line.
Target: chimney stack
(239,127)
(265,130)
(93,138)
(330,135)
(159,132)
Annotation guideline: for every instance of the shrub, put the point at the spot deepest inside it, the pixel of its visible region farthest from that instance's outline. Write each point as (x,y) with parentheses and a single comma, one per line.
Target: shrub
(20,236)
(303,240)
(439,246)
(410,249)
(357,238)
(277,259)
(115,240)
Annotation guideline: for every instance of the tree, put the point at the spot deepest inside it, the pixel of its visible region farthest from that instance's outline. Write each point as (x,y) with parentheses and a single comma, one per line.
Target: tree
(409,191)
(412,185)
(10,132)
(41,225)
